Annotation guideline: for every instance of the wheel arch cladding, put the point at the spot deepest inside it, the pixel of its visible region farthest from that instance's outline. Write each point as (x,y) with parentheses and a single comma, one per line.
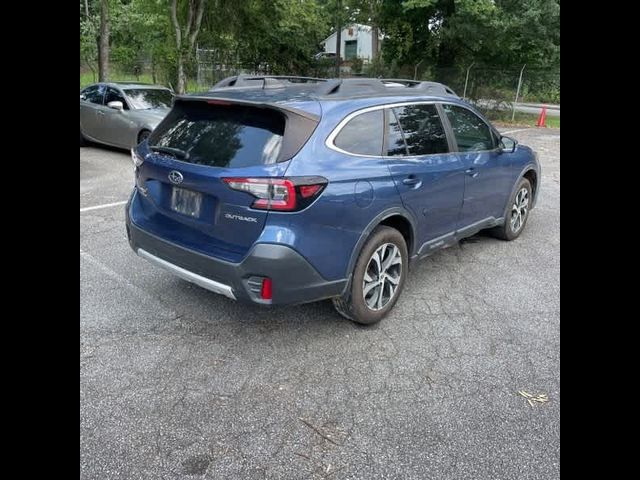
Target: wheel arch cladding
(532,176)
(395,218)
(403,225)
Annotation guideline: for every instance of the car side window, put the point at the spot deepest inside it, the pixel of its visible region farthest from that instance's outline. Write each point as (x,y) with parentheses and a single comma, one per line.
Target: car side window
(422,129)
(84,94)
(363,134)
(93,94)
(471,132)
(115,96)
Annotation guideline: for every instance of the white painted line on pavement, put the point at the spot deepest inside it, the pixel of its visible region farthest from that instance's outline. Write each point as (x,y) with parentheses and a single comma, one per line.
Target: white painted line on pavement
(106,205)
(514,131)
(118,278)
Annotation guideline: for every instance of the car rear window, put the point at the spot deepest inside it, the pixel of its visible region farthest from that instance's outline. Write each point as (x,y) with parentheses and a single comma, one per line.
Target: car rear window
(227,136)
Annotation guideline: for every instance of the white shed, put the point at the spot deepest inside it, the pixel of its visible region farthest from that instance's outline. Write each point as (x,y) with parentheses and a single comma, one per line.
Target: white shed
(357,41)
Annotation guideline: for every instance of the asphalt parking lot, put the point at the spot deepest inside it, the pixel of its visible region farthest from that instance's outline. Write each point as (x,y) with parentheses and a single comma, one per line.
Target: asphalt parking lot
(177,382)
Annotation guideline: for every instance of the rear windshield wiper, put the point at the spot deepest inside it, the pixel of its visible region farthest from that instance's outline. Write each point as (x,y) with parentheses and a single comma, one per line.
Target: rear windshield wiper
(173,151)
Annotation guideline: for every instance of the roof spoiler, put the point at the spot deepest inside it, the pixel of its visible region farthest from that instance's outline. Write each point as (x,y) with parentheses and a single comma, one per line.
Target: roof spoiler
(212,100)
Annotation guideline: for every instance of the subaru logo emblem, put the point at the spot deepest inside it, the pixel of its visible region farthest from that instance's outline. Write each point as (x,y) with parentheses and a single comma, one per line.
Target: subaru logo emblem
(175,177)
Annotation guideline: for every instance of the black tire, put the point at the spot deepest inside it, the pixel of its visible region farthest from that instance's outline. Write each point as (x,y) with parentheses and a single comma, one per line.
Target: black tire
(143,135)
(83,141)
(353,304)
(508,231)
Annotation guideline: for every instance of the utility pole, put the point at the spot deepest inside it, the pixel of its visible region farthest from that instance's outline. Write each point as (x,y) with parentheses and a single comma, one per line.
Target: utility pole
(513,113)
(466,81)
(338,35)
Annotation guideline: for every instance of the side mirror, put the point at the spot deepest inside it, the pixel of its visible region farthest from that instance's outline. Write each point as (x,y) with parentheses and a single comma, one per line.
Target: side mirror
(116,105)
(508,144)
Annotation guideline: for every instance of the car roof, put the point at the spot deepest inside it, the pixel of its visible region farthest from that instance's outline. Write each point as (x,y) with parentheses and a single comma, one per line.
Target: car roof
(284,88)
(306,93)
(137,85)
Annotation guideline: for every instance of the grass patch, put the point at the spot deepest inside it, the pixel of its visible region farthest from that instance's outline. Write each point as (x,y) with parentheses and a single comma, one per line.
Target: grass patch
(521,119)
(87,78)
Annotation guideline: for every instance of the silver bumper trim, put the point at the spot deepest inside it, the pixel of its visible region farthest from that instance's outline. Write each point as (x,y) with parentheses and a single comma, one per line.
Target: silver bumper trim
(199,280)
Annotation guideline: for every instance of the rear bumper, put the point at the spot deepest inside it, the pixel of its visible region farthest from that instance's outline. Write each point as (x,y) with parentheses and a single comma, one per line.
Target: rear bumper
(294,279)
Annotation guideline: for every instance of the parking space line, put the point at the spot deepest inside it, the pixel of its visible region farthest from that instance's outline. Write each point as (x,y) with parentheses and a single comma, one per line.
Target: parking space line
(514,131)
(105,205)
(118,278)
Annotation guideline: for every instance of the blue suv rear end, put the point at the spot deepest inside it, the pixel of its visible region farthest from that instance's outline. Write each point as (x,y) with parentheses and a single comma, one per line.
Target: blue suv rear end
(275,192)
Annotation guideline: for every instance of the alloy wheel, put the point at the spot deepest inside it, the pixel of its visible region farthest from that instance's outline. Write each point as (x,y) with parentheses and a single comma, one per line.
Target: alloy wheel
(519,210)
(382,276)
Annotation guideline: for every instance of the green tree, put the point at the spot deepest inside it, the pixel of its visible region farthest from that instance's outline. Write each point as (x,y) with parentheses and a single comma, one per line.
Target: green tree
(103,42)
(447,33)
(88,38)
(186,33)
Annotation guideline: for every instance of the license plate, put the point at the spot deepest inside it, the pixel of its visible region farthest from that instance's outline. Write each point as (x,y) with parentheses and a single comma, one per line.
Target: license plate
(186,202)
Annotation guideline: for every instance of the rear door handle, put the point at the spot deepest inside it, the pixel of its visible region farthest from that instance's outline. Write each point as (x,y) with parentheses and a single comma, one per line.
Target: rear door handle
(471,172)
(411,181)
(100,112)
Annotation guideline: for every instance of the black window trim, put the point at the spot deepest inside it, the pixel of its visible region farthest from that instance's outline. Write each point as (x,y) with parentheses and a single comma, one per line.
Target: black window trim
(387,123)
(451,141)
(450,132)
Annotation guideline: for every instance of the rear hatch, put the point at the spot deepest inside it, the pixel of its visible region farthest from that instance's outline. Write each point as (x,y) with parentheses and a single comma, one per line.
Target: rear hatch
(187,158)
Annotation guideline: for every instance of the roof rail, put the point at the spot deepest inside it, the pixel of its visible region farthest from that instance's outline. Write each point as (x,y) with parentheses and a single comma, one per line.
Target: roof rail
(268,81)
(336,87)
(131,82)
(348,87)
(406,82)
(436,88)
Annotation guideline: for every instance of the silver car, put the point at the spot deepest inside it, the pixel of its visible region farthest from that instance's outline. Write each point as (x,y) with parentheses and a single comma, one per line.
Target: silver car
(121,114)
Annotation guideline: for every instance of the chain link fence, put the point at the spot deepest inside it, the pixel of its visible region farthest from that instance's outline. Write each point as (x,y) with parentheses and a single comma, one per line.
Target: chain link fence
(501,94)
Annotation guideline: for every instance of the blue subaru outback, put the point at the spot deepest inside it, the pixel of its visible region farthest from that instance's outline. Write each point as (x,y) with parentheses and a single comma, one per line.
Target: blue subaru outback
(280,190)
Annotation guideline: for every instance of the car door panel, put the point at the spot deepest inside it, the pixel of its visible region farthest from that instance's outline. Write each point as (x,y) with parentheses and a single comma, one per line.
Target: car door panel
(115,125)
(91,100)
(487,169)
(487,179)
(88,119)
(432,189)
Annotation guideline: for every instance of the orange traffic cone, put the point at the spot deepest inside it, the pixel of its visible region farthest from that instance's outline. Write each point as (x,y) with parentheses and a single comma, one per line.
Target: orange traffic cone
(542,118)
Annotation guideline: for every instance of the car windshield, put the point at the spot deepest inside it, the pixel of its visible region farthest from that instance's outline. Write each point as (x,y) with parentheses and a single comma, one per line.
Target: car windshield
(142,99)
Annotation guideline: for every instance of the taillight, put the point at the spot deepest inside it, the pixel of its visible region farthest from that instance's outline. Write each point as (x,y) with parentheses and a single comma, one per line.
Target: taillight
(283,194)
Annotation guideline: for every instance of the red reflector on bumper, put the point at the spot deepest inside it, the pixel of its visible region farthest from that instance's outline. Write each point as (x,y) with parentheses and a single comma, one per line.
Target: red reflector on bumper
(265,291)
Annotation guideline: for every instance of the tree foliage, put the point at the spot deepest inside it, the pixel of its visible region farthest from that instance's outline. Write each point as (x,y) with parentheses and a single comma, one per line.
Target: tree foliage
(500,33)
(281,36)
